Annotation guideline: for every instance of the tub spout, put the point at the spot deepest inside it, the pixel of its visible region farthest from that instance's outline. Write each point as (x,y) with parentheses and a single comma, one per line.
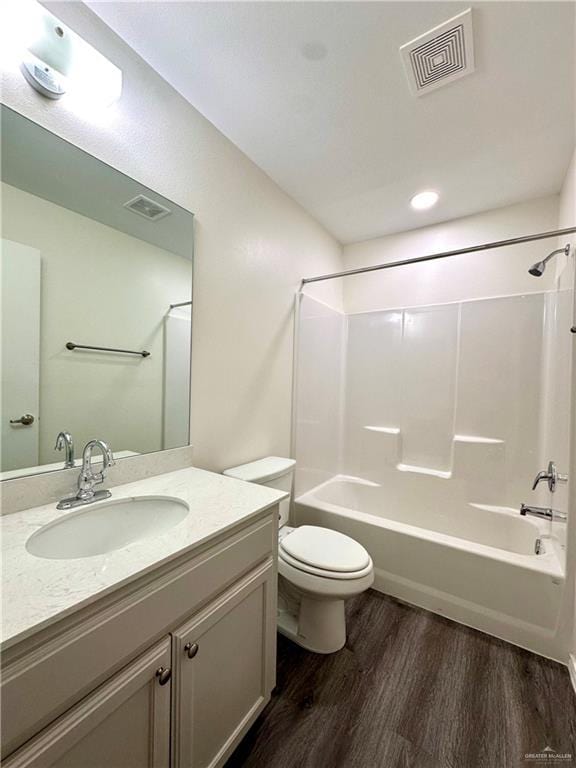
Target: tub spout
(543,512)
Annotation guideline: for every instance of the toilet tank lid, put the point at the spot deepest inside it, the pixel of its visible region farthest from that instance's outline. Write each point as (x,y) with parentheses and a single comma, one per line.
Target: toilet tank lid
(262,470)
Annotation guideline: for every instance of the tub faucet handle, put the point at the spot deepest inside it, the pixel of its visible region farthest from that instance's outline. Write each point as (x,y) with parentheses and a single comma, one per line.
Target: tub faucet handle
(552,477)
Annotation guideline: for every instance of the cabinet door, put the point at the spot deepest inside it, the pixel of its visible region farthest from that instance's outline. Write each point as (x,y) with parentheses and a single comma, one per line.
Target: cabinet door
(124,724)
(224,664)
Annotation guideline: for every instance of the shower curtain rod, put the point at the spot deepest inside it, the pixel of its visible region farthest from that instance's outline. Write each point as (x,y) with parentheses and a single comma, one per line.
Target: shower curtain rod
(443,255)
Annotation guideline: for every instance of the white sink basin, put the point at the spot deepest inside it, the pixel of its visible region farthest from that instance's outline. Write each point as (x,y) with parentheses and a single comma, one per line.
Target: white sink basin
(106,527)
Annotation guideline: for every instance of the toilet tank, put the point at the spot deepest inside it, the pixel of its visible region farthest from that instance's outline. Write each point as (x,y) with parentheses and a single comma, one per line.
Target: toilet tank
(272,471)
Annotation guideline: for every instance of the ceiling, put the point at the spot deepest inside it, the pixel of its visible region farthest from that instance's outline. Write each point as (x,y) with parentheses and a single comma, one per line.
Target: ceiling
(315,94)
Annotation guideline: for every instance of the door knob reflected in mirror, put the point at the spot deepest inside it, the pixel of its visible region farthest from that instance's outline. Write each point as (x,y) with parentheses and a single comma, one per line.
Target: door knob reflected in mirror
(25,420)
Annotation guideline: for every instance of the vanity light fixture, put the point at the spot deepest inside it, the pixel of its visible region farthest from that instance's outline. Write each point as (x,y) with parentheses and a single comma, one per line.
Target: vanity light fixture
(55,60)
(424,200)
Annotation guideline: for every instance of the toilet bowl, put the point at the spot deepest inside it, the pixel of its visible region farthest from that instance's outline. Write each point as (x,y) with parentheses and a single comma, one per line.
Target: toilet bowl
(318,569)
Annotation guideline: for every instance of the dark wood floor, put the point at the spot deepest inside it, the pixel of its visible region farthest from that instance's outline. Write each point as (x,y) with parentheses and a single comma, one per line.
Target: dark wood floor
(411,690)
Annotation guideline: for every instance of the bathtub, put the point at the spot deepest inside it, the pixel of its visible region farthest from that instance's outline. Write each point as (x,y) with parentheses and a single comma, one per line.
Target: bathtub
(474,563)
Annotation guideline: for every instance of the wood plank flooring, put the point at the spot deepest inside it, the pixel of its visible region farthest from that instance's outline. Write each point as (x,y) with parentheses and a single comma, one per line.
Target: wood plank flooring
(411,690)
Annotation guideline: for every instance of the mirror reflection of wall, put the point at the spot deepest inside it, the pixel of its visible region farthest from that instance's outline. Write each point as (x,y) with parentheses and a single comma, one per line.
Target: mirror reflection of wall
(79,266)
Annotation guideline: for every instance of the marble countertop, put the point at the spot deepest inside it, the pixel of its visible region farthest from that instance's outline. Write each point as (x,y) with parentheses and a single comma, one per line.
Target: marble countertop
(36,591)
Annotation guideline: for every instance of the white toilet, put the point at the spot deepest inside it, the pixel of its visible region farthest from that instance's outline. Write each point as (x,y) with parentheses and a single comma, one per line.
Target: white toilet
(318,568)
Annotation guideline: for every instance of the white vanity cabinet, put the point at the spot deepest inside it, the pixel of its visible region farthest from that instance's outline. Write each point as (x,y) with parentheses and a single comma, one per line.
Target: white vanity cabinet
(169,672)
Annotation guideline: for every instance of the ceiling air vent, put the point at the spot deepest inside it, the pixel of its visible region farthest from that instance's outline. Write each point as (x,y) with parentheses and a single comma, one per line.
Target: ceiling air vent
(150,209)
(440,56)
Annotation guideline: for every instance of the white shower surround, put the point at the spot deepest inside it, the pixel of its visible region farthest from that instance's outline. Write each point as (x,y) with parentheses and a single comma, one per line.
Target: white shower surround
(443,410)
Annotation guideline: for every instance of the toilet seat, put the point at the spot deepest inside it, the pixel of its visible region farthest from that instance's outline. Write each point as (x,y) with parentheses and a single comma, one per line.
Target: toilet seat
(324,552)
(337,575)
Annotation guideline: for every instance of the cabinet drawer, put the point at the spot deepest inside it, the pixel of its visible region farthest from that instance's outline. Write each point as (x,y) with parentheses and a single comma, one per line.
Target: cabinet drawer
(42,683)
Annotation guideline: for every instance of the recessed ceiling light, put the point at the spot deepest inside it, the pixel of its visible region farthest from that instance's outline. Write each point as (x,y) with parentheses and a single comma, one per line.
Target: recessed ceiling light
(424,200)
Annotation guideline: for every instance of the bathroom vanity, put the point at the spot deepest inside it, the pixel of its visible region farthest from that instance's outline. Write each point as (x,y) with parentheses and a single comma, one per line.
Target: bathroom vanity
(140,630)
(160,653)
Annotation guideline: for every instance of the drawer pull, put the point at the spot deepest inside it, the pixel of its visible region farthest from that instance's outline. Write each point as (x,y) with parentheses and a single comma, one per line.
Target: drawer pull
(191,649)
(163,674)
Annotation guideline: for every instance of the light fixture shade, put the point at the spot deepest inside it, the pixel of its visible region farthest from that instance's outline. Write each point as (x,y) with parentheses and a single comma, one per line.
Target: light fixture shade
(54,44)
(33,34)
(424,200)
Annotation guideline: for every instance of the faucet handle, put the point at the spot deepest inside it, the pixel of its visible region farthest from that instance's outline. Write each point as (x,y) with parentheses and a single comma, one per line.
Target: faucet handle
(551,475)
(538,479)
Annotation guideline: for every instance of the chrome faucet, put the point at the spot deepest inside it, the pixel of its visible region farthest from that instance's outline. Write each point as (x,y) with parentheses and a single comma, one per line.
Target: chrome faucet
(88,478)
(552,477)
(543,512)
(64,440)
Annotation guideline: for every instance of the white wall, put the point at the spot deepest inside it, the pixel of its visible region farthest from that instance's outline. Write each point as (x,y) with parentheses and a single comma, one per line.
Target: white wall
(253,244)
(319,392)
(101,287)
(490,273)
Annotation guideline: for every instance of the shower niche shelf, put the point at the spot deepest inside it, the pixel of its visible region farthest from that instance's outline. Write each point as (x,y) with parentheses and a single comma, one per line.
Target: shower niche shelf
(476,440)
(384,430)
(444,474)
(465,453)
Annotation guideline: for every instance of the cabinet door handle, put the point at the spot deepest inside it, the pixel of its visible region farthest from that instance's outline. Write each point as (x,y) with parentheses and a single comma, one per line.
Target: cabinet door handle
(191,649)
(163,674)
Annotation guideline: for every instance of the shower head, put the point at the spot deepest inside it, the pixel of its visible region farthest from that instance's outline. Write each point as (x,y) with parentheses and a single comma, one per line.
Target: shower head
(538,269)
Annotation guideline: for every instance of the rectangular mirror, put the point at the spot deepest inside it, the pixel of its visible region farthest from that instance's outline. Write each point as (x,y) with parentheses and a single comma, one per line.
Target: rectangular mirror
(96,273)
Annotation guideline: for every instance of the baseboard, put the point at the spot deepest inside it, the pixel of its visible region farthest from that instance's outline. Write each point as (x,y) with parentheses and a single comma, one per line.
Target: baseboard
(528,636)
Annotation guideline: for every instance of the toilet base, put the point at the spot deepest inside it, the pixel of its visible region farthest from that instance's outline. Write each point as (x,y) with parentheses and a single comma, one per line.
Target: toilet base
(320,625)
